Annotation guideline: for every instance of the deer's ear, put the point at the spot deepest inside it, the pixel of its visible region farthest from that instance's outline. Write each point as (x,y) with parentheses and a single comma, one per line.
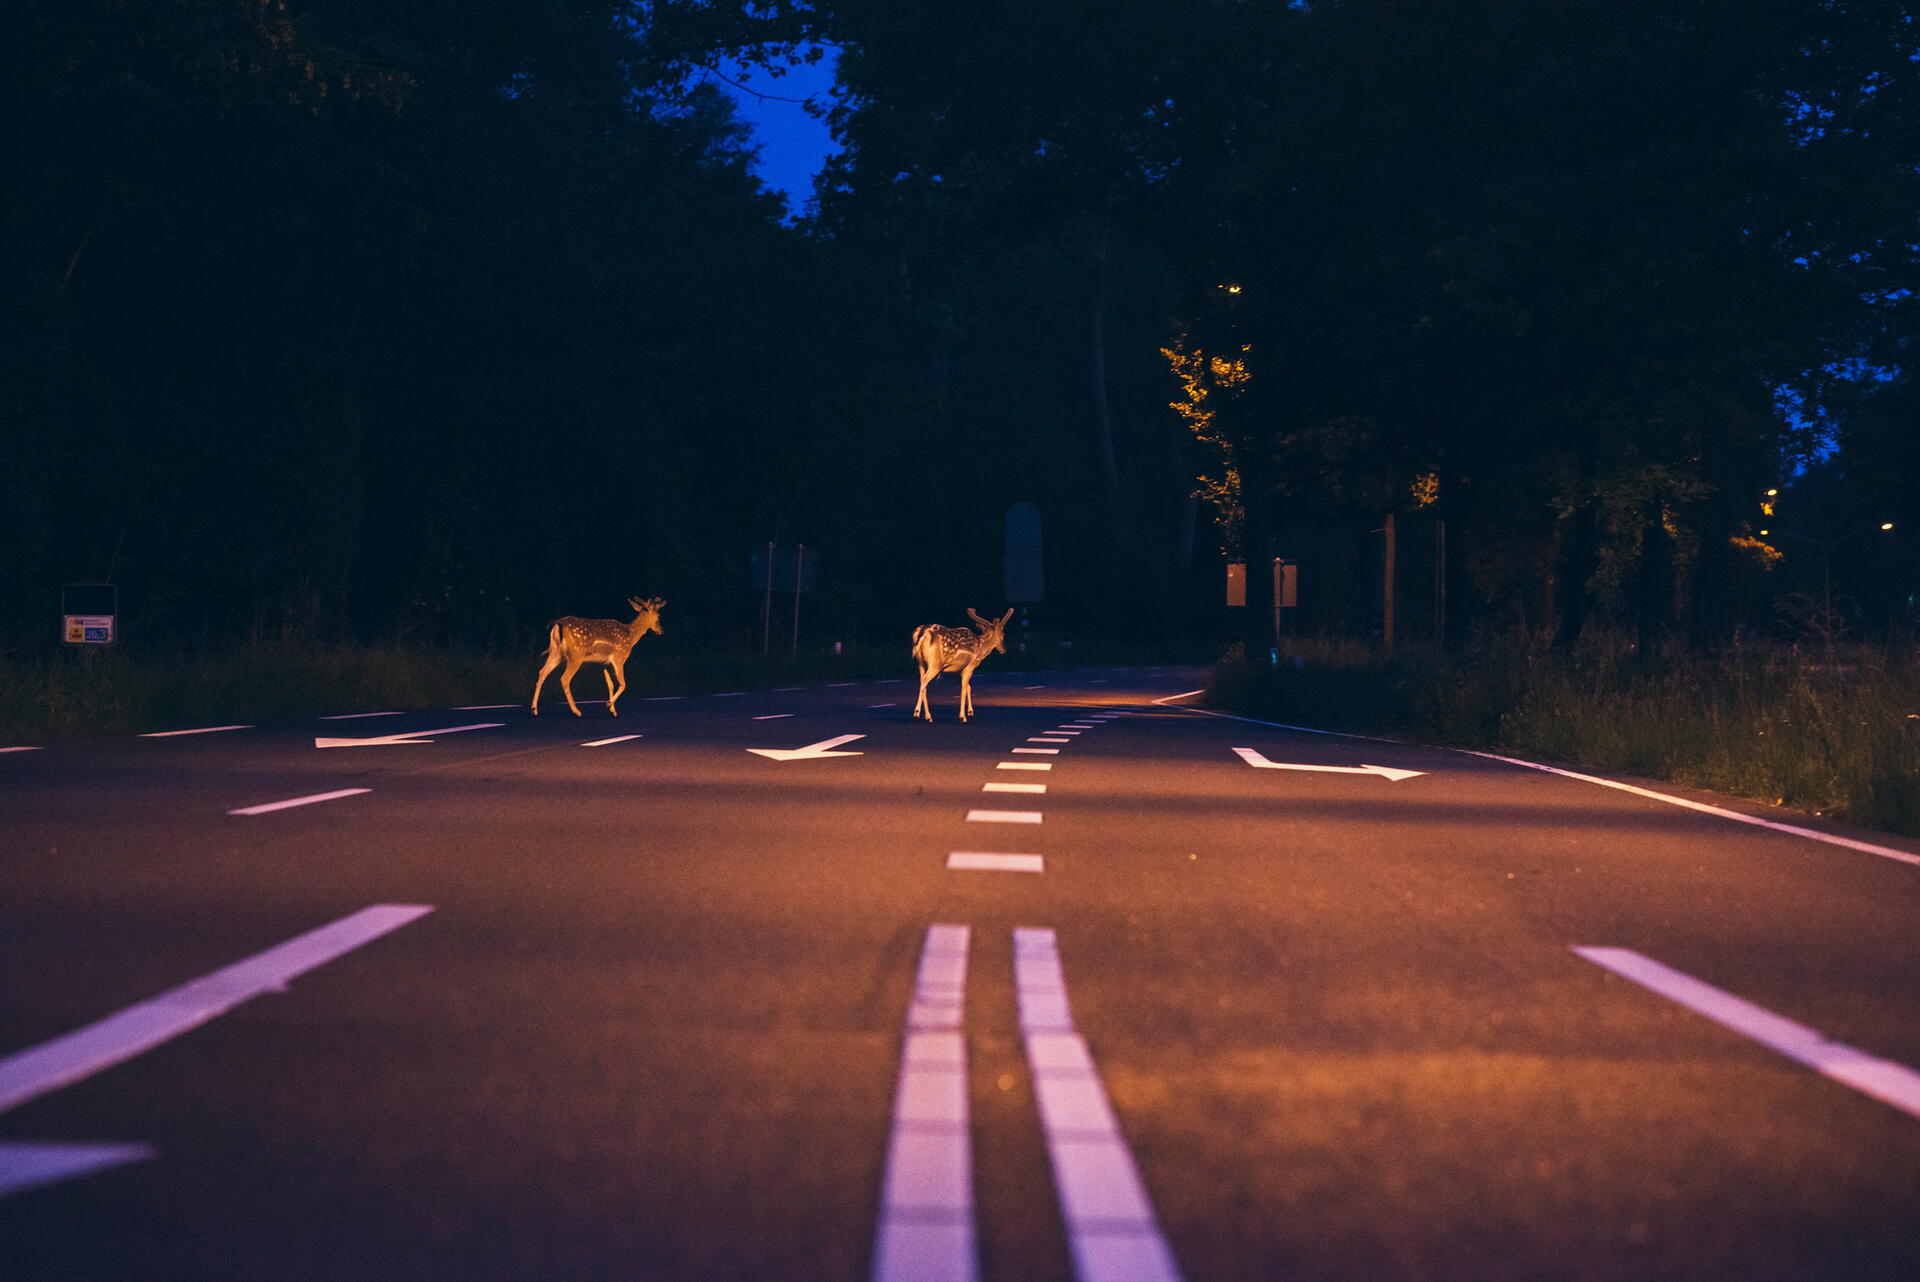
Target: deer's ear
(635,604)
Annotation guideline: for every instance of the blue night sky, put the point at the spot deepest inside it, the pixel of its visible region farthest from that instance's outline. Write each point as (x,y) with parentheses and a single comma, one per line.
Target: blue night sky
(792,144)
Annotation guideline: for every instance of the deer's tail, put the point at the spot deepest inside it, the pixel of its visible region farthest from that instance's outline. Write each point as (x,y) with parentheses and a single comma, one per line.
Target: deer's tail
(919,632)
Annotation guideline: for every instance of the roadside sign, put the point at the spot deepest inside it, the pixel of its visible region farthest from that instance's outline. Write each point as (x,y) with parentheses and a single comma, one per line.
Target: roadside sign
(87,613)
(1286,583)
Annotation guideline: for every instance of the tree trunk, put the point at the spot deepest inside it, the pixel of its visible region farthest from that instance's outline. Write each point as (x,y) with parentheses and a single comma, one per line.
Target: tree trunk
(1579,535)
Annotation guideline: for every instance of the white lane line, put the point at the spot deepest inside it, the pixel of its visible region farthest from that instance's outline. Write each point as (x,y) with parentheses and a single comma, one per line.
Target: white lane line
(787,689)
(1079,725)
(883,705)
(731,694)
(26,1165)
(1883,1079)
(170,734)
(601,743)
(662,698)
(1023,765)
(1111,1228)
(926,1225)
(47,1067)
(1033,687)
(1865,847)
(1043,752)
(1069,730)
(1163,702)
(291,802)
(890,681)
(22,748)
(841,685)
(1013,787)
(1045,738)
(362,716)
(989,861)
(1003,816)
(484,707)
(773,716)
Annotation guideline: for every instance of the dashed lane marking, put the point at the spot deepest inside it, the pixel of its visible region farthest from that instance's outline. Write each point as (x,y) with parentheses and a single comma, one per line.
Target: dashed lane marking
(484,707)
(926,1228)
(1024,765)
(1889,1082)
(172,734)
(662,698)
(773,716)
(1048,752)
(1003,816)
(990,861)
(291,802)
(1042,738)
(360,716)
(1111,1228)
(602,743)
(1013,787)
(22,748)
(49,1066)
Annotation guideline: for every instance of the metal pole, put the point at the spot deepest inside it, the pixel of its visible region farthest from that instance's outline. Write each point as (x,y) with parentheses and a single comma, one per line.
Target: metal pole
(1386,596)
(766,606)
(799,558)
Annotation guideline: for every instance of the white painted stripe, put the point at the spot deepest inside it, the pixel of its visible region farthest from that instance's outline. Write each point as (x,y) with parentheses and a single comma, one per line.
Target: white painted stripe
(890,681)
(883,705)
(22,748)
(362,716)
(841,685)
(1068,731)
(731,694)
(47,1067)
(773,716)
(1111,1228)
(1013,787)
(787,689)
(1042,738)
(1048,752)
(171,734)
(1004,816)
(662,698)
(291,802)
(1163,702)
(26,1165)
(1023,765)
(987,861)
(484,707)
(1794,830)
(926,1223)
(1882,1079)
(1033,687)
(1080,725)
(601,743)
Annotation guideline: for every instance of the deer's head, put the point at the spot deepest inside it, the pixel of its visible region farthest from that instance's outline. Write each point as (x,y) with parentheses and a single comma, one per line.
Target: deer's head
(992,631)
(647,616)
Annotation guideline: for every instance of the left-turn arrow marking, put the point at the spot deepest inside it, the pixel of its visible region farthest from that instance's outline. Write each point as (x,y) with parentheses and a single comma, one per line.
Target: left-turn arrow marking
(412,736)
(811,751)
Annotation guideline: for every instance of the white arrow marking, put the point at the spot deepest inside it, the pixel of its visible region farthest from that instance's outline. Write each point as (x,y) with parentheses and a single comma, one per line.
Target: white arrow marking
(412,736)
(25,1165)
(1253,758)
(811,751)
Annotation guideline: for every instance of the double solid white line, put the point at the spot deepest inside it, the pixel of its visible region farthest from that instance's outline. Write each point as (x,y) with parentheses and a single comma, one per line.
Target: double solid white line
(926,1228)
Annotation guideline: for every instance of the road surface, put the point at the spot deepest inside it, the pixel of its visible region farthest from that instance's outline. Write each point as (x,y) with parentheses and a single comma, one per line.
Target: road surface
(785,985)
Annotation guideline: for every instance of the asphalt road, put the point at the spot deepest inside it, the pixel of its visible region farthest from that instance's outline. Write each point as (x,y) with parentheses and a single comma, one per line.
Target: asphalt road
(665,1008)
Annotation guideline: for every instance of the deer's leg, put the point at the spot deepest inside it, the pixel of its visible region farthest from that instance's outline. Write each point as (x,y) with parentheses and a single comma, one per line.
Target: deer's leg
(553,661)
(617,668)
(921,709)
(566,683)
(966,692)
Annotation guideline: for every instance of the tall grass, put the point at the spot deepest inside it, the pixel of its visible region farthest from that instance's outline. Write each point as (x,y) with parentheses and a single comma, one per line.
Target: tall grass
(1836,733)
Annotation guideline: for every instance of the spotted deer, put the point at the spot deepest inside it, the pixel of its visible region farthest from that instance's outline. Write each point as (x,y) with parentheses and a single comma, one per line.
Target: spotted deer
(576,641)
(959,650)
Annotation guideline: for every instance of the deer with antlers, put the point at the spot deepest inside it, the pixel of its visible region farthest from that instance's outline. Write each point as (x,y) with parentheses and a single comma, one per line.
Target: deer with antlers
(576,641)
(959,650)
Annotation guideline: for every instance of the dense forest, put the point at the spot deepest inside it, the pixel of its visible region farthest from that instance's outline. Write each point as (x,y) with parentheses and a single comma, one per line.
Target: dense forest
(331,319)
